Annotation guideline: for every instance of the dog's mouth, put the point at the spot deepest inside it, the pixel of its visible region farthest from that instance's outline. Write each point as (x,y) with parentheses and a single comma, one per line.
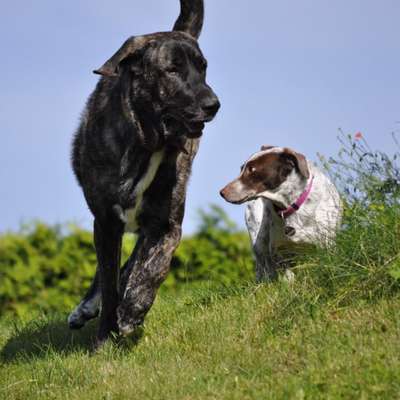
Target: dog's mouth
(234,197)
(175,126)
(241,201)
(194,128)
(278,206)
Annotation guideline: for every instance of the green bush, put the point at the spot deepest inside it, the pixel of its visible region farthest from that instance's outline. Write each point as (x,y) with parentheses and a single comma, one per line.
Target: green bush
(45,268)
(217,252)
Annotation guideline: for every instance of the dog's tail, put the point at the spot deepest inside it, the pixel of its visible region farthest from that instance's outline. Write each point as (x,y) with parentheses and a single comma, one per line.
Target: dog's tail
(191,18)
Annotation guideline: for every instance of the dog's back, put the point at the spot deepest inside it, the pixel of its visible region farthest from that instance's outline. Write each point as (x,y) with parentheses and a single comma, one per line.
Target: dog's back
(316,222)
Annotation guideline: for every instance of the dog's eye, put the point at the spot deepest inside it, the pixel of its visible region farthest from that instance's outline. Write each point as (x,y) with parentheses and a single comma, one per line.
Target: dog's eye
(252,169)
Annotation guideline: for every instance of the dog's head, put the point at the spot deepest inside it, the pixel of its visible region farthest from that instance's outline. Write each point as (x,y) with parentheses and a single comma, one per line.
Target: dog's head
(264,173)
(163,77)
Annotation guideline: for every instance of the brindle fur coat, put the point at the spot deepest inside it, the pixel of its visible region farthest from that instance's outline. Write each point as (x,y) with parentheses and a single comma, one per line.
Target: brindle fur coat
(132,156)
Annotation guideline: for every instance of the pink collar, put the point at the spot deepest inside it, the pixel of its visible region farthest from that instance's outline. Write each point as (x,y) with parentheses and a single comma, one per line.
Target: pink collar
(287,212)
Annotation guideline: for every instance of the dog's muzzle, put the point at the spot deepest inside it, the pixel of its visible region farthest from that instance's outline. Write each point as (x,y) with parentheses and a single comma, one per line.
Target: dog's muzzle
(209,109)
(192,124)
(235,193)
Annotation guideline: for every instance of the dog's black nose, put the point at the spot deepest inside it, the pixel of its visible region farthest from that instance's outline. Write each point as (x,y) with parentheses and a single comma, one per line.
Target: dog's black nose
(211,106)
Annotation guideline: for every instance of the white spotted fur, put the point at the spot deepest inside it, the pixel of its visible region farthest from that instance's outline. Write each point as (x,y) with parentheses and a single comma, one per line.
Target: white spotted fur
(316,222)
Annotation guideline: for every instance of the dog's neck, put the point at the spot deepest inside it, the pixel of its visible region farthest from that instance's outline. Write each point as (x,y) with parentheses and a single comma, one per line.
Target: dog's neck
(288,192)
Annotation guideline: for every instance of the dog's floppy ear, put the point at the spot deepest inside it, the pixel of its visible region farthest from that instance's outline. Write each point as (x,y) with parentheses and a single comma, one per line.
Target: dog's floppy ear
(300,160)
(133,44)
(266,147)
(191,18)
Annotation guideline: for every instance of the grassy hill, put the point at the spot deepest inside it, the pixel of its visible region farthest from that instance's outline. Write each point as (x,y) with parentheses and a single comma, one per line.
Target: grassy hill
(332,334)
(274,341)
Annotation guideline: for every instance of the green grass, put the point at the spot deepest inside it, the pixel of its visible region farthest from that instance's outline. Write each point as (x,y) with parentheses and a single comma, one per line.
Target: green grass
(253,342)
(332,334)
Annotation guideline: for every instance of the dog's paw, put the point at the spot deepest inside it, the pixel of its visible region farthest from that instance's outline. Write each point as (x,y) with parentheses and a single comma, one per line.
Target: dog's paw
(129,328)
(83,313)
(288,276)
(128,321)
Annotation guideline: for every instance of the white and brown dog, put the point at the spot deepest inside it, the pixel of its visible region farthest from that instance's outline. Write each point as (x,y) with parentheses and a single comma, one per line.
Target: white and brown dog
(291,204)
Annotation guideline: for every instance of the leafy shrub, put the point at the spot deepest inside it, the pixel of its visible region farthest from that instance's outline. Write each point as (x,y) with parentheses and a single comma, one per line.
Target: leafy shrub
(46,268)
(217,252)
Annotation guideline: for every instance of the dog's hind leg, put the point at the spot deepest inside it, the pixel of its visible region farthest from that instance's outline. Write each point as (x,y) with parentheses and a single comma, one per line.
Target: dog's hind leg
(108,239)
(89,307)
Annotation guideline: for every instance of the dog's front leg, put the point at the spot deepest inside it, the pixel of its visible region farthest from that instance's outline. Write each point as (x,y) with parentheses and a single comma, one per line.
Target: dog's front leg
(160,235)
(265,266)
(107,239)
(148,270)
(260,226)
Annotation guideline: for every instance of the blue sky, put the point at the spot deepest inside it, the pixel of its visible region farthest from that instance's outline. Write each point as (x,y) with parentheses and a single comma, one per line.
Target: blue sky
(287,73)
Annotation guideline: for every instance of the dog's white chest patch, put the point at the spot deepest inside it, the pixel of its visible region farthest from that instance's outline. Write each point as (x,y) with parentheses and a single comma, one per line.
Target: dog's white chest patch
(144,183)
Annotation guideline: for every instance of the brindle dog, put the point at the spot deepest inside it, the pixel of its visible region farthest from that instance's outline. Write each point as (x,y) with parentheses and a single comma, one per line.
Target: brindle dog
(132,156)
